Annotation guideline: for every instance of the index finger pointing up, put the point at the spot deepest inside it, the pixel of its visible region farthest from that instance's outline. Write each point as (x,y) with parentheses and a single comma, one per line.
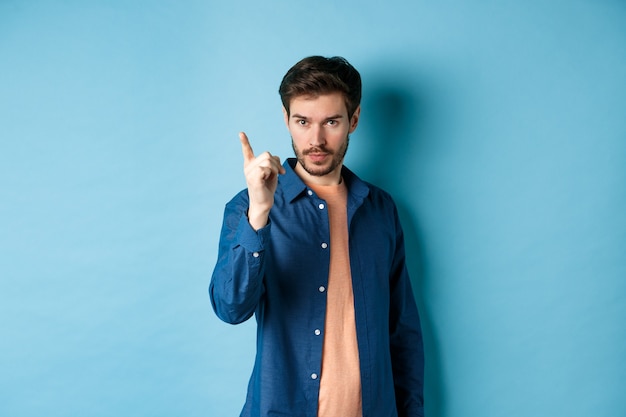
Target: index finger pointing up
(248,153)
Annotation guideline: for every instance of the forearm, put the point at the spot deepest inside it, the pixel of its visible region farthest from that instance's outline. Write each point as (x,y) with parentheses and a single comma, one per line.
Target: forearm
(406,342)
(408,370)
(237,281)
(407,352)
(258,217)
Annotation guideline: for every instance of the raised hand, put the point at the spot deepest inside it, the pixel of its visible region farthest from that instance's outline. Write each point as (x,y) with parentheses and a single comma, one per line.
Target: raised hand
(262,179)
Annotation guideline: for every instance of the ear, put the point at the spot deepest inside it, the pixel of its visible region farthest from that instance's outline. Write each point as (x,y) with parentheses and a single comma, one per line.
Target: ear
(286,116)
(354,121)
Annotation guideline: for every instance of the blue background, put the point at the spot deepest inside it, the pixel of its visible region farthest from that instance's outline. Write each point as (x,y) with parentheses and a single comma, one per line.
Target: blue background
(498,126)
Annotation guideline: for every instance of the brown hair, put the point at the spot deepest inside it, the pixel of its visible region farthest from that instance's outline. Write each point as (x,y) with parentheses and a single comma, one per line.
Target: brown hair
(317,75)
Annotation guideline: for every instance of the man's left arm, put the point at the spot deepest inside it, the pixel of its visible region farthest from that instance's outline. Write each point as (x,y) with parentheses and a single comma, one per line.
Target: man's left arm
(406,344)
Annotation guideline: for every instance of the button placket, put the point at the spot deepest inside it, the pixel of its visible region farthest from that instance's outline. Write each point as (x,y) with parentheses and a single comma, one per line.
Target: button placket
(321,206)
(322,289)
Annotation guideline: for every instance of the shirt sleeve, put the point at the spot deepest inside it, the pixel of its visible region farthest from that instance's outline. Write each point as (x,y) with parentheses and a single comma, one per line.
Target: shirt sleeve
(406,344)
(237,282)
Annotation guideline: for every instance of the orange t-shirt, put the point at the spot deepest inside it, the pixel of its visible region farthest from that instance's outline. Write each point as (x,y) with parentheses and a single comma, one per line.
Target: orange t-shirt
(340,381)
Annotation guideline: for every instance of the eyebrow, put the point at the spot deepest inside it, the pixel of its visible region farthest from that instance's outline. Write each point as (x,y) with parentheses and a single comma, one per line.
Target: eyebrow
(299,116)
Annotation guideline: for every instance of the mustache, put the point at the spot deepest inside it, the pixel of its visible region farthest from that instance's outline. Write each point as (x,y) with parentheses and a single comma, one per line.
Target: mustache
(317,149)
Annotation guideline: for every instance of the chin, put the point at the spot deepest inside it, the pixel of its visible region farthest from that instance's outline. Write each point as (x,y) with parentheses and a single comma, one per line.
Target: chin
(319,170)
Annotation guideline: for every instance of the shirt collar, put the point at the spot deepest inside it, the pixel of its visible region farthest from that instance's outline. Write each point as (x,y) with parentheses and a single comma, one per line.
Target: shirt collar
(294,187)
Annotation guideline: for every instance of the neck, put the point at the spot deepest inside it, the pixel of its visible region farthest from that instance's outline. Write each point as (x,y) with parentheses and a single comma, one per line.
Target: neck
(332,178)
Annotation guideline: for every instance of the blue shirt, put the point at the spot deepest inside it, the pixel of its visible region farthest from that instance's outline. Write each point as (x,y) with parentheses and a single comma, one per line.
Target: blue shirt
(280,273)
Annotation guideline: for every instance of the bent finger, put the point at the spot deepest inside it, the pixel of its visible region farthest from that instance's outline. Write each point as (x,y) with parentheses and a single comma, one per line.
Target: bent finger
(281,169)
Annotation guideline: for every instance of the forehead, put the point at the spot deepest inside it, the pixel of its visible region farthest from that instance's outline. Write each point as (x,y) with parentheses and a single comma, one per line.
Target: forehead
(322,105)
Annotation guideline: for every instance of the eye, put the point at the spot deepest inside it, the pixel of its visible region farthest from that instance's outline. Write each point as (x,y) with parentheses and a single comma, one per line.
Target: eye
(301,122)
(331,122)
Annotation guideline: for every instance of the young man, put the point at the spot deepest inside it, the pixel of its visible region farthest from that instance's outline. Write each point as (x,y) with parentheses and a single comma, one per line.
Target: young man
(317,255)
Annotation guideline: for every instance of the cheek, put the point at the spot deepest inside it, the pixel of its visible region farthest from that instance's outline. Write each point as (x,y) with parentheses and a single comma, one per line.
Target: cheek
(298,139)
(337,136)
(294,132)
(297,135)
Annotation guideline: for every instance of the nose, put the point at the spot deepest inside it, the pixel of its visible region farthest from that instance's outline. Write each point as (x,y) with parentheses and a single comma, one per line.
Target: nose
(317,137)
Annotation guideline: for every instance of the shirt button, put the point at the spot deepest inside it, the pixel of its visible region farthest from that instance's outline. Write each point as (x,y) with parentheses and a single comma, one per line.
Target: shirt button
(313,376)
(318,332)
(324,245)
(322,288)
(321,206)
(255,254)
(309,192)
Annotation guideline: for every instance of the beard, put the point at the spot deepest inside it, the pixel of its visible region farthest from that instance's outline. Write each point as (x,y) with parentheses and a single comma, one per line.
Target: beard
(319,170)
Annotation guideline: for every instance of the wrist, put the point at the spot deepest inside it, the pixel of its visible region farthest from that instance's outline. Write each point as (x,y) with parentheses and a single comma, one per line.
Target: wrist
(258,218)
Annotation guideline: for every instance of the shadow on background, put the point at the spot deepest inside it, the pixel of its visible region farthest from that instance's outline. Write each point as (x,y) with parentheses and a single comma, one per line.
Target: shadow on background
(396,115)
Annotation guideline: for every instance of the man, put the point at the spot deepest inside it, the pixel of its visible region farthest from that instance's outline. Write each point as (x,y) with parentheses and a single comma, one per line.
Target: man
(317,255)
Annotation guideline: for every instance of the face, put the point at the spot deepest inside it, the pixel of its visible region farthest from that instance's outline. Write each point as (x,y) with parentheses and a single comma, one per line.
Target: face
(319,128)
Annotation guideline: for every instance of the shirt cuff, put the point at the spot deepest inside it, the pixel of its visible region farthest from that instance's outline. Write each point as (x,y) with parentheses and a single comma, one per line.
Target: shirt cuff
(250,239)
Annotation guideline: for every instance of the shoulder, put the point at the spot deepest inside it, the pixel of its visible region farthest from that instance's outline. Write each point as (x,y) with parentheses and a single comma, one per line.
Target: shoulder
(381,202)
(236,207)
(240,199)
(378,193)
(368,191)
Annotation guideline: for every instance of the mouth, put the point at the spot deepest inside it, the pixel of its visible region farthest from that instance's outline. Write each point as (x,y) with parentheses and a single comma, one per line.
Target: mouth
(317,157)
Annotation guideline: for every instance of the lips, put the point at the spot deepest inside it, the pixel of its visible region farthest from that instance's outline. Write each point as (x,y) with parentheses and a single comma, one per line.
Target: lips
(317,157)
